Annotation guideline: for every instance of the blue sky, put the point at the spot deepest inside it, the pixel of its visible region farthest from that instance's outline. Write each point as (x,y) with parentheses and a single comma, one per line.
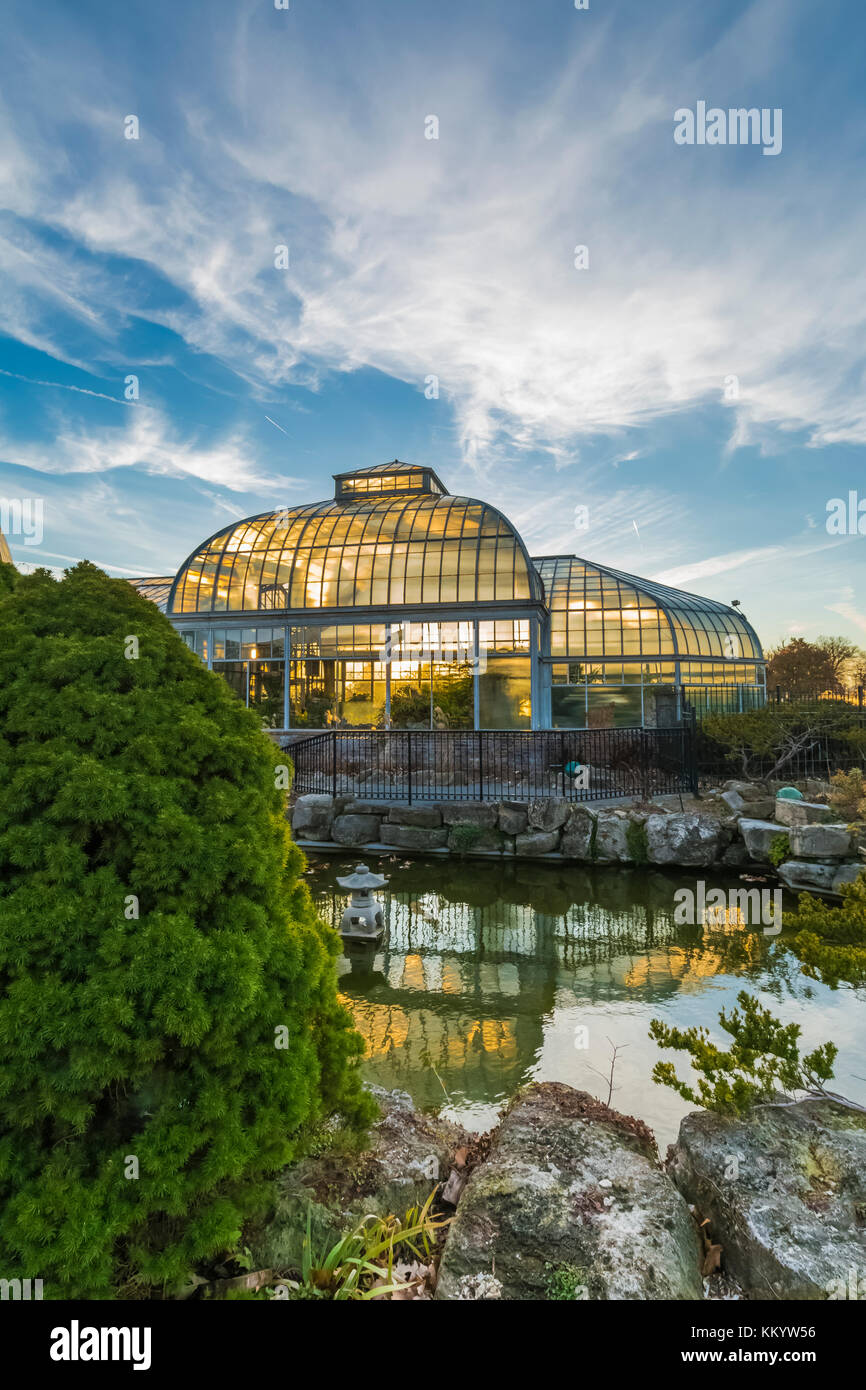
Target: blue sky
(411,257)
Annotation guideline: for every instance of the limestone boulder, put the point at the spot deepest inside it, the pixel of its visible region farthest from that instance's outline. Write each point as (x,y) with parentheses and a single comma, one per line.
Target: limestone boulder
(548,813)
(820,841)
(535,842)
(688,840)
(611,838)
(801,812)
(428,817)
(808,876)
(355,830)
(571,1195)
(576,842)
(313,816)
(513,818)
(416,837)
(758,836)
(760,808)
(847,873)
(483,813)
(784,1189)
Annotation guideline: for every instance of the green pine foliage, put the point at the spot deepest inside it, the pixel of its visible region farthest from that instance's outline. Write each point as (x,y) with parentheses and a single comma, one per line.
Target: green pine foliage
(764,1058)
(831,941)
(157,946)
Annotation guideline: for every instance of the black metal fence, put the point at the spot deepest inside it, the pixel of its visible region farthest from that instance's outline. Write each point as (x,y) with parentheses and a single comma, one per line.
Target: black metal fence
(739,699)
(449,765)
(821,738)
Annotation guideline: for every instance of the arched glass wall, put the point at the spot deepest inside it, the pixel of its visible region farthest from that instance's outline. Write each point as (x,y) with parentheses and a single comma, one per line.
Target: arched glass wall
(625,643)
(377,552)
(397,605)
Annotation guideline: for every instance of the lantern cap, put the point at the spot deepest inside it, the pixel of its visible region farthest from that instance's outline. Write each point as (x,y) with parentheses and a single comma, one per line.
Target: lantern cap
(362,878)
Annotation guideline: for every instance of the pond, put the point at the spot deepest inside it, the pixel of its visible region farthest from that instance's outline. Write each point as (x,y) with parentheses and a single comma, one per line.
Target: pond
(494,974)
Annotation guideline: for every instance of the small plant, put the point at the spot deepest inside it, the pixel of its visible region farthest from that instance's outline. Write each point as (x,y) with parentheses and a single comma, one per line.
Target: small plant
(831,941)
(848,797)
(464,837)
(764,1058)
(360,1265)
(564,1283)
(593,841)
(636,840)
(779,851)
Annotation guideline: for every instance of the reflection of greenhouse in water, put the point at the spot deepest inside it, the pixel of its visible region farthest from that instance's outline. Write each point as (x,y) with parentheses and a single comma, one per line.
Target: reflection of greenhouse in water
(474,966)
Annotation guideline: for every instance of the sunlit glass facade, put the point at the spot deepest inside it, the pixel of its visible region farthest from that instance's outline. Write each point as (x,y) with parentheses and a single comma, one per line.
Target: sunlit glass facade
(397,605)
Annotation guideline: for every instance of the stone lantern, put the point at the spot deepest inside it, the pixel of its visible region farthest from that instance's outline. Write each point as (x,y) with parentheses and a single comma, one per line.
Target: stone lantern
(363,919)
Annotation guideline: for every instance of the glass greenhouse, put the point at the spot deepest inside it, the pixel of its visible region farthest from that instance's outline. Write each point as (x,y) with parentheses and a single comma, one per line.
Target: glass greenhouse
(397,605)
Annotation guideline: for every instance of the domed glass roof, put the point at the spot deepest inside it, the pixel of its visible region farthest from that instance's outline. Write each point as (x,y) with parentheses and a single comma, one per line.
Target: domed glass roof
(597,611)
(406,543)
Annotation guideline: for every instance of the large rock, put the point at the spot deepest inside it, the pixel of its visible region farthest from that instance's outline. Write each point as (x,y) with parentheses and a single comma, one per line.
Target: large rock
(759,836)
(313,816)
(611,838)
(749,791)
(534,842)
(689,840)
(820,841)
(576,842)
(785,1192)
(758,807)
(355,807)
(570,1190)
(407,1154)
(513,818)
(809,876)
(549,813)
(470,813)
(355,830)
(801,812)
(413,836)
(847,873)
(429,817)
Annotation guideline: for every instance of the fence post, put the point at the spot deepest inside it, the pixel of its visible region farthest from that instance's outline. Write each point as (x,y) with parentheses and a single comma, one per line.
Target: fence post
(480,766)
(334,762)
(691,751)
(644,771)
(409,762)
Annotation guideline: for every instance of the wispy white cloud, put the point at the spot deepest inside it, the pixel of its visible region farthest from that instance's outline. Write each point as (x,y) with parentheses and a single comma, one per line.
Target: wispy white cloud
(148,441)
(454,256)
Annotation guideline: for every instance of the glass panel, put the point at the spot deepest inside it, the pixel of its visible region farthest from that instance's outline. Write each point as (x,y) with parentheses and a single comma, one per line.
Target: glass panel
(311,694)
(453,695)
(504,694)
(360,694)
(410,695)
(568,706)
(267,683)
(235,673)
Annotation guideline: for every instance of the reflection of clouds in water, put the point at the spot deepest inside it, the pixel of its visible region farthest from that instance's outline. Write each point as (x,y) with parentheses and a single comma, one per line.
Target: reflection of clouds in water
(468,998)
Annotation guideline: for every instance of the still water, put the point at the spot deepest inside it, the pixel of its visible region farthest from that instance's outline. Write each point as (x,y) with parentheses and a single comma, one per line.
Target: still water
(489,973)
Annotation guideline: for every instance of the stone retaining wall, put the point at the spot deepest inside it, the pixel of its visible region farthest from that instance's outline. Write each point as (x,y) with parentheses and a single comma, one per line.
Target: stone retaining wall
(727,829)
